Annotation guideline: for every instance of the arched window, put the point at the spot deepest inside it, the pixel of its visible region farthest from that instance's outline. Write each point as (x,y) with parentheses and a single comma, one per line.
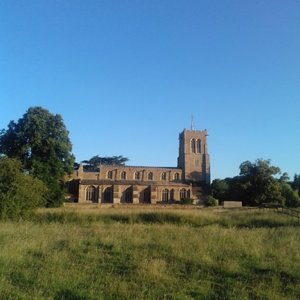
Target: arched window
(108,195)
(91,193)
(188,194)
(137,176)
(199,146)
(123,175)
(164,176)
(128,195)
(109,174)
(183,194)
(176,176)
(150,176)
(165,195)
(172,194)
(145,196)
(193,146)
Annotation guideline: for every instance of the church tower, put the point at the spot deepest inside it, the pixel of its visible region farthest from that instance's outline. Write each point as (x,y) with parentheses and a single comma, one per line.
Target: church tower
(193,157)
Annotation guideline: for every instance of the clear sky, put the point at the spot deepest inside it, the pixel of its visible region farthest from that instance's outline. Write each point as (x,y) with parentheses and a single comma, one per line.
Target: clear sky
(126,75)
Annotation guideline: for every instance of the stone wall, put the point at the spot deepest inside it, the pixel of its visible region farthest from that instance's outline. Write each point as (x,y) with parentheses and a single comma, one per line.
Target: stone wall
(230,204)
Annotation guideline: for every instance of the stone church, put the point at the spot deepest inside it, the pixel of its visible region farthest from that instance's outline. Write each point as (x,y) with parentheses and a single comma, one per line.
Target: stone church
(139,184)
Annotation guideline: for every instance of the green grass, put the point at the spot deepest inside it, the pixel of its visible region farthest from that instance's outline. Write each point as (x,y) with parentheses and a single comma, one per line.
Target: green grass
(115,253)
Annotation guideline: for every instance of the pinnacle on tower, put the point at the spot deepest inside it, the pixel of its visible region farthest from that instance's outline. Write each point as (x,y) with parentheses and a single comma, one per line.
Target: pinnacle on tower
(192,123)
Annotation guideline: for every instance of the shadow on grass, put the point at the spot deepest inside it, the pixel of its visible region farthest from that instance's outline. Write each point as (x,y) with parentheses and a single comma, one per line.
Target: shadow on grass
(66,294)
(21,280)
(239,284)
(267,223)
(156,218)
(222,284)
(241,221)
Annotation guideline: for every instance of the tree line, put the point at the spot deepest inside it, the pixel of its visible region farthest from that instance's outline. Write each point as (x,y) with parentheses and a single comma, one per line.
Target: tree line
(258,183)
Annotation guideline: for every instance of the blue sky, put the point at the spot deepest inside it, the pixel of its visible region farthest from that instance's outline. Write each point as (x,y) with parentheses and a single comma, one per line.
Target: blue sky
(126,76)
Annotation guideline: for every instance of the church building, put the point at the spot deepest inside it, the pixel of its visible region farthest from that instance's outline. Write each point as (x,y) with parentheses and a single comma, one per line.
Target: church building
(139,184)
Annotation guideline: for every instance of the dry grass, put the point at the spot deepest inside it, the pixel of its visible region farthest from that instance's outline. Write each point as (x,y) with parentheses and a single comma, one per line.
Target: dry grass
(150,253)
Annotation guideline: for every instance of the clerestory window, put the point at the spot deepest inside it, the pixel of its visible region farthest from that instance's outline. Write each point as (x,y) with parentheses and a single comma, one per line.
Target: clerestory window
(176,176)
(123,175)
(137,175)
(164,176)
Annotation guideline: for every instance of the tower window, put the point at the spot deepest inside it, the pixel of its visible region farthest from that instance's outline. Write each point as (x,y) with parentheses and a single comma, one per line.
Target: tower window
(109,174)
(193,146)
(137,176)
(164,176)
(123,175)
(199,146)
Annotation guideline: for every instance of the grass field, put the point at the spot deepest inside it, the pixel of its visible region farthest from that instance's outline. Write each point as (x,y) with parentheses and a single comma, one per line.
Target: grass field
(115,253)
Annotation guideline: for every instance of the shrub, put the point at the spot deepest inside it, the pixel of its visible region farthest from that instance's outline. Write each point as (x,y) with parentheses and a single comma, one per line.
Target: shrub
(19,192)
(210,201)
(187,201)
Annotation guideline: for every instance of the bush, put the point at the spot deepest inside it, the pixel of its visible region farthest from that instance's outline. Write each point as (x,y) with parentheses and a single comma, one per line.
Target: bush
(187,201)
(211,201)
(19,192)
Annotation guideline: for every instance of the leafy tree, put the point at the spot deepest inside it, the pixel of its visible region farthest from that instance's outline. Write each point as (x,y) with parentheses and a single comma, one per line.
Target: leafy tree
(220,189)
(261,185)
(40,141)
(238,189)
(19,192)
(291,196)
(284,177)
(296,183)
(259,170)
(93,163)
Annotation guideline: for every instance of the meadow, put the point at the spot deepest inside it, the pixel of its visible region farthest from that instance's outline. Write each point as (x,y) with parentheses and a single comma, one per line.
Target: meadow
(147,253)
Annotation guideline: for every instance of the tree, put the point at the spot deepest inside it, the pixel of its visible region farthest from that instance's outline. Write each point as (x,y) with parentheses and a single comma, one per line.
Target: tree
(220,189)
(238,189)
(93,163)
(40,141)
(291,196)
(20,193)
(261,185)
(296,183)
(284,177)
